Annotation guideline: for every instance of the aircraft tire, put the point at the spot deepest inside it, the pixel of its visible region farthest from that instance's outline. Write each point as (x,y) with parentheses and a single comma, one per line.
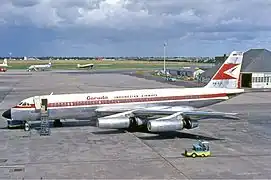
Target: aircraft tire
(26,126)
(57,123)
(194,155)
(133,125)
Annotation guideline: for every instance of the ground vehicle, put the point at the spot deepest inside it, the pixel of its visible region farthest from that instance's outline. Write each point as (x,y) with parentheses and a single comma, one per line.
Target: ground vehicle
(170,79)
(201,149)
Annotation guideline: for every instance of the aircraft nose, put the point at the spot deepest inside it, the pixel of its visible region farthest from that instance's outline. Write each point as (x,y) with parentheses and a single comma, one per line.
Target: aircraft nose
(7,114)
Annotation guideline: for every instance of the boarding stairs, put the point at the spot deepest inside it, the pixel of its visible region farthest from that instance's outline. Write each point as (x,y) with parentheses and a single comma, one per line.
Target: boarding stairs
(44,123)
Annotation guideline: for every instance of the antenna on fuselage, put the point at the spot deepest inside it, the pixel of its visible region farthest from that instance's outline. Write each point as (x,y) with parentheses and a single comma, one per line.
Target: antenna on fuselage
(51,93)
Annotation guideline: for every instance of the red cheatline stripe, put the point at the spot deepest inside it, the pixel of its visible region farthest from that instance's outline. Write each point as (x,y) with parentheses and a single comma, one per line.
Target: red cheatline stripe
(130,100)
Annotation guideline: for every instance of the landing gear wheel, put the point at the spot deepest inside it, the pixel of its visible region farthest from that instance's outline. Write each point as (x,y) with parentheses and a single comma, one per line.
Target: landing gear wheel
(58,123)
(133,125)
(193,155)
(26,126)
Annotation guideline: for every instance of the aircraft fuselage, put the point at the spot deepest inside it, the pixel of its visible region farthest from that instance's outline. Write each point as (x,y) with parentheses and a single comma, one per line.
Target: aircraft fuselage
(84,106)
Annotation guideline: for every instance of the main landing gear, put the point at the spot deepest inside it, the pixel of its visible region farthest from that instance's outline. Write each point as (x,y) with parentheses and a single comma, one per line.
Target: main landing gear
(135,126)
(57,123)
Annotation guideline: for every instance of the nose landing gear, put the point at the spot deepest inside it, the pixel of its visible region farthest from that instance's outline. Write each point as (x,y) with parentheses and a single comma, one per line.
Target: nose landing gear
(26,126)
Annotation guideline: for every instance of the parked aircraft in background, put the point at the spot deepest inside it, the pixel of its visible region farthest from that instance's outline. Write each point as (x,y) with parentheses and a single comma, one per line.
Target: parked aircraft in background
(40,67)
(4,65)
(85,66)
(129,109)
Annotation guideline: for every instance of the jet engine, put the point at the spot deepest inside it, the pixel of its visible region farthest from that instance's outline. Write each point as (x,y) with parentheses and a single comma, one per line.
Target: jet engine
(164,125)
(119,122)
(113,123)
(171,125)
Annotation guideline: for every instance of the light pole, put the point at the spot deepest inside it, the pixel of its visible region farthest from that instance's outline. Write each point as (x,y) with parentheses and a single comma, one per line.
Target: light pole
(165,44)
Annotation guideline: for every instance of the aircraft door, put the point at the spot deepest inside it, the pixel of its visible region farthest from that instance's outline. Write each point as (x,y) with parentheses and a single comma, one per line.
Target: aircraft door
(44,104)
(37,102)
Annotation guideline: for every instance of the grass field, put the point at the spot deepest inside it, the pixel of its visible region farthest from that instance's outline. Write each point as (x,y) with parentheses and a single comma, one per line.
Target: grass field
(72,64)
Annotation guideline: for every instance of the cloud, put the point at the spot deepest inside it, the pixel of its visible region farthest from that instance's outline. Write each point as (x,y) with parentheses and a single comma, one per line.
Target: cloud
(133,27)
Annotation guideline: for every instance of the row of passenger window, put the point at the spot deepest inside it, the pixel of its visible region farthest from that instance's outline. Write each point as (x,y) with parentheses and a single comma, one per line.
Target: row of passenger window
(80,103)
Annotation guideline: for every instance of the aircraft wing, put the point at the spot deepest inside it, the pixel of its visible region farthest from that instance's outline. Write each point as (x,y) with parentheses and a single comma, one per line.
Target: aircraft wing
(157,119)
(185,111)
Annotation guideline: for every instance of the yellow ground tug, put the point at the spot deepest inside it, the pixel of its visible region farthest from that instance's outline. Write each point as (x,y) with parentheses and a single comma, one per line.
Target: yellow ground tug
(201,149)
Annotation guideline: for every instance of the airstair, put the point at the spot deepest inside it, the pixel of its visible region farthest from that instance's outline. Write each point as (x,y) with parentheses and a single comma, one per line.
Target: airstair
(44,120)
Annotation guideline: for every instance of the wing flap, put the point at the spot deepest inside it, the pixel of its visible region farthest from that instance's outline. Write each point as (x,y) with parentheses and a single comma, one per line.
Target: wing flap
(210,114)
(191,114)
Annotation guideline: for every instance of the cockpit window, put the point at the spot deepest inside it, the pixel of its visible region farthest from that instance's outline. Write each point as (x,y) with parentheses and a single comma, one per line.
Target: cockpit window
(24,104)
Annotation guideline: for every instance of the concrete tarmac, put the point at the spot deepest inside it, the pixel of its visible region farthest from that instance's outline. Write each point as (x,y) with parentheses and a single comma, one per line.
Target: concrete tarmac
(240,148)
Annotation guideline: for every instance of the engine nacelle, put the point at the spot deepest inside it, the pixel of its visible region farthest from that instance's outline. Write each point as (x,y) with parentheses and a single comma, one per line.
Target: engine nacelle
(113,123)
(165,125)
(171,125)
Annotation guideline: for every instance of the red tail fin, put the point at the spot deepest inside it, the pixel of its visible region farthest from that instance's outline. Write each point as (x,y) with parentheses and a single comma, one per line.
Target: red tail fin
(228,75)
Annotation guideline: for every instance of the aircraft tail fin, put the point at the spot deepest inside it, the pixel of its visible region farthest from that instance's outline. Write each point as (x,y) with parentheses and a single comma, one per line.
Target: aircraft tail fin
(5,62)
(228,75)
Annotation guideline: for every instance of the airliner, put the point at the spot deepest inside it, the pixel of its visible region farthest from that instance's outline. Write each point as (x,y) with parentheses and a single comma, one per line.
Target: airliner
(40,67)
(85,66)
(4,65)
(157,110)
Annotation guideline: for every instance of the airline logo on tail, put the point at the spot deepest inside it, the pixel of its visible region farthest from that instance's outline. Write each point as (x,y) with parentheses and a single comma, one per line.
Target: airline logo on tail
(5,63)
(228,74)
(228,71)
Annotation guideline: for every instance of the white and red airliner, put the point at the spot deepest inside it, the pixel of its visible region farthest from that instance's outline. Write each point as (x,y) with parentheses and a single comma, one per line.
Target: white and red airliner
(85,66)
(159,110)
(4,65)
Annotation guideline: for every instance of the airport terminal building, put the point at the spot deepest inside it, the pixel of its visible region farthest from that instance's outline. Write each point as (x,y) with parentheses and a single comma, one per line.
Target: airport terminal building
(255,71)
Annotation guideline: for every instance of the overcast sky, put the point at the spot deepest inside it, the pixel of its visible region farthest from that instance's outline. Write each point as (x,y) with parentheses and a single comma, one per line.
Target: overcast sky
(133,27)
